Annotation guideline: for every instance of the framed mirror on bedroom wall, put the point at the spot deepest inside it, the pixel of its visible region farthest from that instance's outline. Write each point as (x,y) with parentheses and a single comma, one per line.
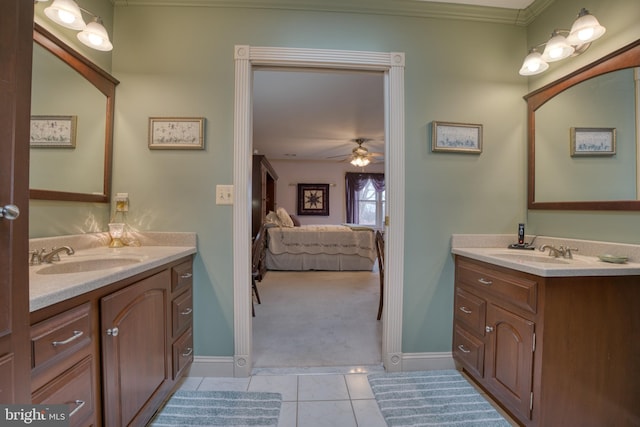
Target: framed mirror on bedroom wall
(583,142)
(72,107)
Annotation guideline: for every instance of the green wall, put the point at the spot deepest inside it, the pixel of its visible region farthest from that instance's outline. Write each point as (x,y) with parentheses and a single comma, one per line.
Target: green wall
(620,17)
(179,62)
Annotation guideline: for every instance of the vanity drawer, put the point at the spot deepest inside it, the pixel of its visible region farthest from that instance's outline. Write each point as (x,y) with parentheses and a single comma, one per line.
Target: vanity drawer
(469,351)
(470,310)
(512,288)
(56,338)
(182,312)
(74,388)
(182,276)
(182,353)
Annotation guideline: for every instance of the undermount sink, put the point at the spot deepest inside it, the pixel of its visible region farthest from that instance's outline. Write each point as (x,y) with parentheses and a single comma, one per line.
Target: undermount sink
(87,265)
(541,259)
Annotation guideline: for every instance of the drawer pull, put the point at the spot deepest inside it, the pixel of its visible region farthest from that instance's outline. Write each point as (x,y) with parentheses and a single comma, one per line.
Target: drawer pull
(188,352)
(113,332)
(79,404)
(186,276)
(187,311)
(462,349)
(485,281)
(75,336)
(465,310)
(488,329)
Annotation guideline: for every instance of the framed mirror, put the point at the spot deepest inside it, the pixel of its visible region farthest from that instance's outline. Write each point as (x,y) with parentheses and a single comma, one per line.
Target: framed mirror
(72,111)
(583,143)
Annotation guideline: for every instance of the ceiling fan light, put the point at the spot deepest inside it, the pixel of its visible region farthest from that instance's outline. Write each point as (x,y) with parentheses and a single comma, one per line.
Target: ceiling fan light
(557,48)
(360,161)
(66,13)
(585,29)
(95,36)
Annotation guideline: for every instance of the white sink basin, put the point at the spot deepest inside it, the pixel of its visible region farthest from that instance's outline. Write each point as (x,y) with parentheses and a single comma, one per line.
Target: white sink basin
(525,257)
(83,266)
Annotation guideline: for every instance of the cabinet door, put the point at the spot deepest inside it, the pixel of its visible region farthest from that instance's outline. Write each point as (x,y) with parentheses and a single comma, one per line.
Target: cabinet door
(509,359)
(134,336)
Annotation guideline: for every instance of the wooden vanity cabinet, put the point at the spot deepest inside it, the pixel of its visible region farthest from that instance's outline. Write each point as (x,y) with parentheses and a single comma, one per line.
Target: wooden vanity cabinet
(120,350)
(550,350)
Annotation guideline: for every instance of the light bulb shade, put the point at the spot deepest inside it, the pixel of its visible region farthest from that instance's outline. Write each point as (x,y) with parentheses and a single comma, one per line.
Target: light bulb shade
(557,48)
(585,29)
(360,161)
(66,13)
(95,36)
(533,64)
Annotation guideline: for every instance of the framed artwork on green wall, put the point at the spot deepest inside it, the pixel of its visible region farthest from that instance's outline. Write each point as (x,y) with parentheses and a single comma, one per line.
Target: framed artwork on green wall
(456,137)
(176,133)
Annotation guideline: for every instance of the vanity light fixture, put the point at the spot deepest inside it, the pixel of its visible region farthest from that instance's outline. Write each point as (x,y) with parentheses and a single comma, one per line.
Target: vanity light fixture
(68,14)
(584,30)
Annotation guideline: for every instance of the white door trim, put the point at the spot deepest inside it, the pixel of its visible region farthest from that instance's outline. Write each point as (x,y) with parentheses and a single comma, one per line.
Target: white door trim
(392,64)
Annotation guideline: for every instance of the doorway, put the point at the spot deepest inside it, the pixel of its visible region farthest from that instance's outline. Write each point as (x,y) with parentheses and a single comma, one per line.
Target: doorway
(392,65)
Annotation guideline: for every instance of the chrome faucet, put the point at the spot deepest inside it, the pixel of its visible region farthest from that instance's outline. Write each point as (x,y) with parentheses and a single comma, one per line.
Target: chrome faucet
(557,252)
(38,257)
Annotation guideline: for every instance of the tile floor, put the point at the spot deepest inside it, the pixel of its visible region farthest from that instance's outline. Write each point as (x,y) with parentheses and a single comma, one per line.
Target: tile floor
(323,397)
(309,399)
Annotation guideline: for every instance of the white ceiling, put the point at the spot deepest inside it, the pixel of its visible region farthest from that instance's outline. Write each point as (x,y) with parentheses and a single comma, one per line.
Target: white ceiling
(305,114)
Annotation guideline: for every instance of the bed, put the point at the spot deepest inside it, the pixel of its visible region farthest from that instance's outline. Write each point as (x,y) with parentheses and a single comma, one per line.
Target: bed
(320,247)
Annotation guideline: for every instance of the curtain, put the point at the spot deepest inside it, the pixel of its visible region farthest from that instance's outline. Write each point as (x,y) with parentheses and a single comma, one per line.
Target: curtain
(355,182)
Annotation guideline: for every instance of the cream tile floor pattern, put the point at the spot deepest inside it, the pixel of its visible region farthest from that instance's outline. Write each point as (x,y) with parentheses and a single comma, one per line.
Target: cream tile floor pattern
(308,400)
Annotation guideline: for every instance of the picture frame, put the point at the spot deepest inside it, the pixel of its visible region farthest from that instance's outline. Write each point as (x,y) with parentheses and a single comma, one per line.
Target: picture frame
(176,133)
(456,137)
(53,131)
(313,199)
(592,141)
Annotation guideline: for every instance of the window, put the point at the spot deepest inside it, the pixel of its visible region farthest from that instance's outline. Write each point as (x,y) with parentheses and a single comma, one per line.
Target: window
(371,206)
(365,198)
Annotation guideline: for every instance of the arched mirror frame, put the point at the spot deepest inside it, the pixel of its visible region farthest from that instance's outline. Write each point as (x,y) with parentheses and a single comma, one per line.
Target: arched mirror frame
(106,84)
(626,57)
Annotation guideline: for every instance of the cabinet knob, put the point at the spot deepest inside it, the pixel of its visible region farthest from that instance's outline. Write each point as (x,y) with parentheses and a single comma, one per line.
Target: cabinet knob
(113,332)
(485,281)
(488,329)
(186,276)
(186,312)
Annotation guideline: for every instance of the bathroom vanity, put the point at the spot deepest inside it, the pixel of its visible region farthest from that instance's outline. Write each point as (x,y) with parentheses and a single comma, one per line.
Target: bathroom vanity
(554,341)
(113,342)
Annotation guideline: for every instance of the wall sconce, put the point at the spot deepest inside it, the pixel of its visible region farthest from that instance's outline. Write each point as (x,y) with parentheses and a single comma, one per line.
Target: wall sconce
(584,30)
(68,14)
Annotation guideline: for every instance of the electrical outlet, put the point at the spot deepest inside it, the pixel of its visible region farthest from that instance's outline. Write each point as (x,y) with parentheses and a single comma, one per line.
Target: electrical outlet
(122,202)
(224,194)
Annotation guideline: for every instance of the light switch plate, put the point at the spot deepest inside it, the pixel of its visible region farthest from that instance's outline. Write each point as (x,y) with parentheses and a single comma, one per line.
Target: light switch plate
(224,194)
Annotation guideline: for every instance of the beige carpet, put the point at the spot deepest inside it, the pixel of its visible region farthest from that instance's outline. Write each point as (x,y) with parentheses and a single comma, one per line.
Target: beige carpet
(317,319)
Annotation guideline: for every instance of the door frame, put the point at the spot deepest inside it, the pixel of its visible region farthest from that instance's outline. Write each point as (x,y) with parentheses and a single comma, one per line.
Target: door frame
(392,65)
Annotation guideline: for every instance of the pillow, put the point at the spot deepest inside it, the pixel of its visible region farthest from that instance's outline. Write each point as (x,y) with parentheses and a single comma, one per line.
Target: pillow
(295,220)
(272,218)
(284,218)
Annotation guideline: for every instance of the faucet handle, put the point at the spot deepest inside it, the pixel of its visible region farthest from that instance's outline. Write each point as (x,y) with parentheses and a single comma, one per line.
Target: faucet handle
(34,257)
(568,252)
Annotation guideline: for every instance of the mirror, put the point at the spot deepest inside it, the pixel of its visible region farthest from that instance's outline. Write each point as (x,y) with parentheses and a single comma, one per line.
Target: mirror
(596,103)
(72,95)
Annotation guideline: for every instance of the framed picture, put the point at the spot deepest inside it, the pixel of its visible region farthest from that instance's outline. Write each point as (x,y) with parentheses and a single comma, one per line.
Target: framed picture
(313,199)
(53,131)
(176,133)
(456,137)
(593,142)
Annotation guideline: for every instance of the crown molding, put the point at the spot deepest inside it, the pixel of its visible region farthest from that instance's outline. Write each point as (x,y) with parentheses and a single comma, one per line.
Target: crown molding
(408,8)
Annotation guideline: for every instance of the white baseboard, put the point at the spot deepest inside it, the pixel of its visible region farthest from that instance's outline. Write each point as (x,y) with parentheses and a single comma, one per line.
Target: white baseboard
(211,366)
(216,366)
(427,361)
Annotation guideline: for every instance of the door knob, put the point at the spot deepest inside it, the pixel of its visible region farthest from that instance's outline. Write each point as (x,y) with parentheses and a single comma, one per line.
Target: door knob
(10,212)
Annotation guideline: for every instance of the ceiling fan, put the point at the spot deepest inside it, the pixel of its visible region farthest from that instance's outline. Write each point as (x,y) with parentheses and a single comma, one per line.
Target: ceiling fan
(360,155)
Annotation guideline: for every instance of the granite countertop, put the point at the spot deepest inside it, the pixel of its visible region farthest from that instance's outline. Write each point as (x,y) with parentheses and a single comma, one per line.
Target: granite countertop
(155,249)
(586,262)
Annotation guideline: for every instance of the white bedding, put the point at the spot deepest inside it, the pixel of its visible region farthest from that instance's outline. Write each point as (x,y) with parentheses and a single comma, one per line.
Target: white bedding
(320,247)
